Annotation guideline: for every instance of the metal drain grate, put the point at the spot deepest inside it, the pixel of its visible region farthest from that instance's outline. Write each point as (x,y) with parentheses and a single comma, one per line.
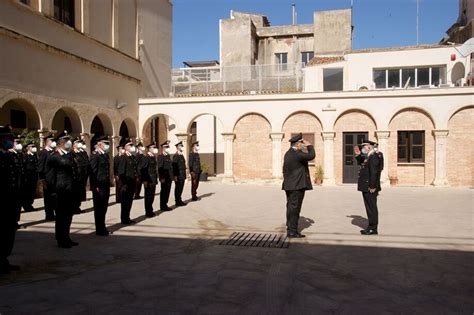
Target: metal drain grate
(246,239)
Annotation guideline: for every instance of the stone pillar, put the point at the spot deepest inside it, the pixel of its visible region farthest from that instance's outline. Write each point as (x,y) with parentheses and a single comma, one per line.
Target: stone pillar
(114,142)
(228,155)
(42,133)
(382,138)
(86,137)
(440,157)
(328,140)
(277,171)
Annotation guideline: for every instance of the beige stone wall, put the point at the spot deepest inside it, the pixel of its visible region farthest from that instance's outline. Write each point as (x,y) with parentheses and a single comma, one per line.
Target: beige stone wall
(353,121)
(412,174)
(460,149)
(305,123)
(252,148)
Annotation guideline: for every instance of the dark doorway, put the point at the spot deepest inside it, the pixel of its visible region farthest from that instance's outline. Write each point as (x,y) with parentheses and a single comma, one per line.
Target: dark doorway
(350,170)
(97,127)
(123,130)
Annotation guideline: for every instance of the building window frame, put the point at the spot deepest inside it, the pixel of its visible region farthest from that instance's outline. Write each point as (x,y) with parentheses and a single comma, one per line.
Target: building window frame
(442,79)
(340,71)
(282,61)
(306,57)
(64,12)
(407,144)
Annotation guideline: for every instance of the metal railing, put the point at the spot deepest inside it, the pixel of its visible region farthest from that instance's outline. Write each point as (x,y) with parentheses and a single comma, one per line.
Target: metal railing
(251,79)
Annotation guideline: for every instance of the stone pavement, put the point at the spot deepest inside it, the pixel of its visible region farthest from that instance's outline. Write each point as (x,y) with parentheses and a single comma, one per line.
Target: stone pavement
(172,263)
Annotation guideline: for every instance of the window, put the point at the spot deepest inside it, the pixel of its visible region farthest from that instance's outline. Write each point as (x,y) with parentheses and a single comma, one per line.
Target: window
(64,11)
(333,79)
(282,61)
(306,56)
(308,137)
(411,147)
(409,77)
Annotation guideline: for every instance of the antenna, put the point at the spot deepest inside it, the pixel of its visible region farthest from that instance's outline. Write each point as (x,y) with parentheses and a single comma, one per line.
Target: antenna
(293,11)
(417,22)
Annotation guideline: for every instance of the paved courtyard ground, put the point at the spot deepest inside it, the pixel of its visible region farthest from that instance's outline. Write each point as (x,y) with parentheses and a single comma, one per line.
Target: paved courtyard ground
(422,262)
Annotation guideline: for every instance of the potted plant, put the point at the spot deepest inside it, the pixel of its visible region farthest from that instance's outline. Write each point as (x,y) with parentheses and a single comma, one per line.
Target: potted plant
(204,172)
(319,175)
(393,180)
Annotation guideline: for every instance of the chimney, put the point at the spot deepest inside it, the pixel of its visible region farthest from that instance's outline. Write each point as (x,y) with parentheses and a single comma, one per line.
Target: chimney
(293,9)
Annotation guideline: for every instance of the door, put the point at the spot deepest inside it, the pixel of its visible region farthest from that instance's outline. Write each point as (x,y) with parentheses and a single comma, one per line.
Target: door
(350,170)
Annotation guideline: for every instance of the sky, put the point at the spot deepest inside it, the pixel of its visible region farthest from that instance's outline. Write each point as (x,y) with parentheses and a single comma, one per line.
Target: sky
(377,23)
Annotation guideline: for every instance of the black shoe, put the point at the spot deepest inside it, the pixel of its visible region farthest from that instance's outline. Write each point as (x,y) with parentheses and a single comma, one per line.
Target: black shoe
(129,222)
(64,245)
(50,218)
(102,233)
(18,226)
(14,268)
(369,232)
(181,204)
(166,209)
(72,243)
(150,215)
(195,198)
(137,197)
(29,209)
(295,235)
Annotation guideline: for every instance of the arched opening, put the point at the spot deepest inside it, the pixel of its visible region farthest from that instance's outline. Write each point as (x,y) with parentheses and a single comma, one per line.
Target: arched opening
(101,126)
(97,128)
(67,119)
(458,73)
(127,129)
(207,129)
(159,128)
(20,115)
(124,130)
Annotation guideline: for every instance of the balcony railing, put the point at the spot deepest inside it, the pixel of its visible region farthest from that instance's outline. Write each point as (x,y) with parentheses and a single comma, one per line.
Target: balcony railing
(252,79)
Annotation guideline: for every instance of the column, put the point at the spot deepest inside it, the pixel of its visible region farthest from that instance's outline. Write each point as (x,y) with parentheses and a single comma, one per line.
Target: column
(228,154)
(277,171)
(184,138)
(440,157)
(42,133)
(86,137)
(328,140)
(382,138)
(114,142)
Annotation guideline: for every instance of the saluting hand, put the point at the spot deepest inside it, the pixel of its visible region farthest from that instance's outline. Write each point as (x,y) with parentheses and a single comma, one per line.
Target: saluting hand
(356,150)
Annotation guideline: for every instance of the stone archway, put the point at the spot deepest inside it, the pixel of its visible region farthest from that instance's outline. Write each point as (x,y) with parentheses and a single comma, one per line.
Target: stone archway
(252,148)
(20,114)
(159,128)
(67,118)
(459,172)
(127,129)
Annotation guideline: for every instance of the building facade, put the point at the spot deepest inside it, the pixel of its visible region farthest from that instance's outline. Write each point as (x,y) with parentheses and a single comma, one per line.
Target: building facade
(81,65)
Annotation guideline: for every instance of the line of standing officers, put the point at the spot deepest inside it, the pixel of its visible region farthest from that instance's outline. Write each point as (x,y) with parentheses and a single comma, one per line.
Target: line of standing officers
(63,168)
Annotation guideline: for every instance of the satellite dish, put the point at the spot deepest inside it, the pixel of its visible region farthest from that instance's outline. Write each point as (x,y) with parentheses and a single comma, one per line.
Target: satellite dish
(467,48)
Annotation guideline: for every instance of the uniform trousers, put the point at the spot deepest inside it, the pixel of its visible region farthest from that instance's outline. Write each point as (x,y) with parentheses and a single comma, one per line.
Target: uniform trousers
(370,202)
(100,198)
(150,190)
(294,200)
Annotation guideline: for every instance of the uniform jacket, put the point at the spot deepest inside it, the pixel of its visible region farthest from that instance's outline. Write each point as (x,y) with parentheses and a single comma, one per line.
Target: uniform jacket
(43,162)
(19,165)
(31,168)
(165,167)
(369,172)
(82,164)
(139,160)
(100,169)
(61,174)
(116,163)
(127,169)
(9,189)
(295,169)
(149,169)
(194,163)
(179,166)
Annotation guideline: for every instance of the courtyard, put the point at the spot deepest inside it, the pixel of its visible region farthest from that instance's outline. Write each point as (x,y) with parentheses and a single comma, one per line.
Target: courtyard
(173,264)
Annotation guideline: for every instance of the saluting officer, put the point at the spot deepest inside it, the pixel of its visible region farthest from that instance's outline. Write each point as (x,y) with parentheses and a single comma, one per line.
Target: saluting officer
(371,165)
(100,183)
(118,185)
(139,157)
(179,172)
(31,176)
(9,195)
(149,176)
(82,165)
(296,180)
(17,154)
(49,198)
(194,169)
(127,173)
(165,173)
(61,178)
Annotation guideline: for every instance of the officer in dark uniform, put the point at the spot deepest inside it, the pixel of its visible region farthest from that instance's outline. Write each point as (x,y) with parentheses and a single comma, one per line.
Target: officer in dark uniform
(81,161)
(61,178)
(49,198)
(31,176)
(179,172)
(296,180)
(139,157)
(118,185)
(17,154)
(165,173)
(194,169)
(100,183)
(86,166)
(371,165)
(10,196)
(149,176)
(127,173)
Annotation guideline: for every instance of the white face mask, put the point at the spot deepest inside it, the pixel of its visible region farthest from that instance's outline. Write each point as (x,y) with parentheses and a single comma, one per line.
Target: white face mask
(196,148)
(106,148)
(84,147)
(53,144)
(133,150)
(68,145)
(141,149)
(180,148)
(364,151)
(122,151)
(34,150)
(18,147)
(167,150)
(155,151)
(79,146)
